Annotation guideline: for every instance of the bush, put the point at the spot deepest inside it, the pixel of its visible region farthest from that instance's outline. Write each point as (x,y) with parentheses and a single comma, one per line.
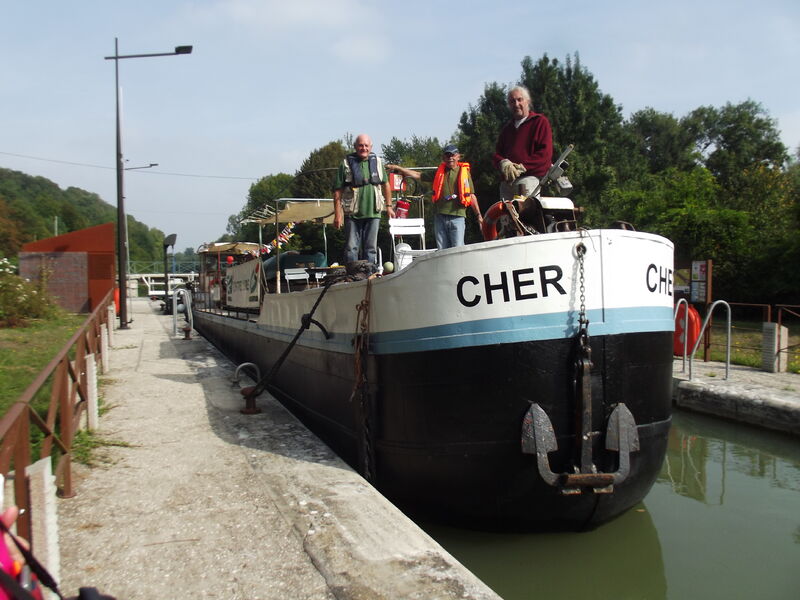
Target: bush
(21,300)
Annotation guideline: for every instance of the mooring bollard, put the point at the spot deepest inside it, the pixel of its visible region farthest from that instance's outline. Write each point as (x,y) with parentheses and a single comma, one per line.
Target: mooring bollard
(250,407)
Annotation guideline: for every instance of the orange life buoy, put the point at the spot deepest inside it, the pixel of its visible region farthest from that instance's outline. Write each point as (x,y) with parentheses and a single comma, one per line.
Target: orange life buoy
(489,226)
(692,332)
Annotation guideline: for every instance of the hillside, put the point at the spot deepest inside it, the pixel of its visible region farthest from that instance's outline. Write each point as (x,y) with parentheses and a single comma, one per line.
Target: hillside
(29,205)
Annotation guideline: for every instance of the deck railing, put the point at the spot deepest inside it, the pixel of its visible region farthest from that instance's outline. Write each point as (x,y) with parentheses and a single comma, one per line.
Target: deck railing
(71,375)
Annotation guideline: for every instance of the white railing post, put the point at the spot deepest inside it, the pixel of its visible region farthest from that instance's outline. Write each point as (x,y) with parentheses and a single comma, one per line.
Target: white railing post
(92,395)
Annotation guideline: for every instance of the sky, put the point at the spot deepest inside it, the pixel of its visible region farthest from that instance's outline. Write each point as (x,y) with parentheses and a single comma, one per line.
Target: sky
(269,81)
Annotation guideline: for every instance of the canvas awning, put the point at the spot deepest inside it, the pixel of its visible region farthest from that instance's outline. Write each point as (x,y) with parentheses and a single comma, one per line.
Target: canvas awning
(229,248)
(293,210)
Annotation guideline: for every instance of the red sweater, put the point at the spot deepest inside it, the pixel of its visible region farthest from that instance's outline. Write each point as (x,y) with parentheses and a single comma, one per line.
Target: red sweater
(530,145)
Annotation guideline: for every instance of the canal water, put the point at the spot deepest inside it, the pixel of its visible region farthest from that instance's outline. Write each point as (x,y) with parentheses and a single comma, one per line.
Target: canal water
(722,521)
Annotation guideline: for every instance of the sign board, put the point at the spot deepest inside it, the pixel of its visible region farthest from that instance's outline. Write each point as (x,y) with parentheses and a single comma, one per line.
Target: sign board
(682,281)
(241,285)
(397,182)
(701,282)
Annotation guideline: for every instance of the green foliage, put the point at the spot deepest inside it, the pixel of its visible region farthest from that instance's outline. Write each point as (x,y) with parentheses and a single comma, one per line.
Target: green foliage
(582,115)
(87,447)
(478,128)
(715,182)
(315,180)
(735,138)
(425,154)
(34,346)
(263,191)
(417,152)
(20,300)
(662,141)
(315,177)
(30,205)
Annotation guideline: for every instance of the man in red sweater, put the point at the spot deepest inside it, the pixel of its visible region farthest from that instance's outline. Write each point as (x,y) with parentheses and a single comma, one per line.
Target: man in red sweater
(524,150)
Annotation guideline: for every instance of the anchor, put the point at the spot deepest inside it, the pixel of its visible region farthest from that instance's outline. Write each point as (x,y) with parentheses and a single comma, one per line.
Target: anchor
(539,438)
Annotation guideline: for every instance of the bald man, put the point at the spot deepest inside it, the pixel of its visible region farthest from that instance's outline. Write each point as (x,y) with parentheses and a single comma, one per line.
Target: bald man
(361,191)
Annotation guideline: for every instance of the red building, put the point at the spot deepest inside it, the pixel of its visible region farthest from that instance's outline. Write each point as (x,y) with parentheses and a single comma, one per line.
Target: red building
(79,266)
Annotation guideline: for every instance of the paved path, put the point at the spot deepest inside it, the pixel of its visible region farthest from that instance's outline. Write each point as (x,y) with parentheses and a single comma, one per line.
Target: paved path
(203,502)
(748,395)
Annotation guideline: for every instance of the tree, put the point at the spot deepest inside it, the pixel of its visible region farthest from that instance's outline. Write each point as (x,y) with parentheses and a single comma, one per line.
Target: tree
(418,152)
(10,234)
(478,129)
(661,140)
(735,138)
(315,176)
(32,204)
(263,191)
(581,114)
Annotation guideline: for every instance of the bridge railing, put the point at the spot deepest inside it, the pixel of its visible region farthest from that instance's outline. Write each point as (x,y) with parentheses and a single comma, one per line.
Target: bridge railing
(183,266)
(72,373)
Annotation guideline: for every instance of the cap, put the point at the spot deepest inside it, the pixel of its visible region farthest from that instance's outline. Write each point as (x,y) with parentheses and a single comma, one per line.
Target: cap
(451,149)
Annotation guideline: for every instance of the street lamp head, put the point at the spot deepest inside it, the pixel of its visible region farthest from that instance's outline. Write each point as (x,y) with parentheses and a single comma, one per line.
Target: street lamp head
(170,240)
(183,49)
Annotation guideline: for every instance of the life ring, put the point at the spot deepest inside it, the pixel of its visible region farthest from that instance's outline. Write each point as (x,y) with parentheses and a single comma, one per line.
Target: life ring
(693,331)
(489,226)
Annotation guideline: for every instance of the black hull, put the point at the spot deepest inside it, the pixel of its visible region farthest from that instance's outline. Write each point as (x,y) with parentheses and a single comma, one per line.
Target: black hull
(440,431)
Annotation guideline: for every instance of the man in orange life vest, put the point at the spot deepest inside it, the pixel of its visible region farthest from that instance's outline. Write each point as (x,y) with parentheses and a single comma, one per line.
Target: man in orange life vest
(452,195)
(524,150)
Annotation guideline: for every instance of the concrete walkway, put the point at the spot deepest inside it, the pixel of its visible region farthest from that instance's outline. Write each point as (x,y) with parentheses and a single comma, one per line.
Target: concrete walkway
(200,501)
(748,395)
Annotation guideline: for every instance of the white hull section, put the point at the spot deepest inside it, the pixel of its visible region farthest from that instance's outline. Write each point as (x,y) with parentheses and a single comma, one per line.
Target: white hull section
(514,290)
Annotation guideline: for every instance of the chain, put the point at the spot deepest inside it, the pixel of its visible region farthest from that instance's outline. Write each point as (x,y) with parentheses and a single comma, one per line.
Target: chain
(582,319)
(360,385)
(583,367)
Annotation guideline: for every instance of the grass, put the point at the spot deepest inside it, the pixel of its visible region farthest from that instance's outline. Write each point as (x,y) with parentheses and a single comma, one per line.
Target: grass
(87,445)
(25,351)
(746,339)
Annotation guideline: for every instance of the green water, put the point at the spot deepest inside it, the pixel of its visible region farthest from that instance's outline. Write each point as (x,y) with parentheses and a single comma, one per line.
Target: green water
(722,521)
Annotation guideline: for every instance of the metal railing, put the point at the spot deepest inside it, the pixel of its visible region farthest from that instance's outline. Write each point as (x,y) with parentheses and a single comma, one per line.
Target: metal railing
(68,400)
(786,309)
(709,312)
(685,303)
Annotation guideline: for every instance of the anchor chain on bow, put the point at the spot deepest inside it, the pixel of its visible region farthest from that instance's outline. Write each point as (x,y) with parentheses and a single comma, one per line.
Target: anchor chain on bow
(538,435)
(361,385)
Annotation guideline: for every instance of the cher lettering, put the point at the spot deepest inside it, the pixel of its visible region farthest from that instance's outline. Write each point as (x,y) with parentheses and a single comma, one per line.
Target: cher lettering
(510,286)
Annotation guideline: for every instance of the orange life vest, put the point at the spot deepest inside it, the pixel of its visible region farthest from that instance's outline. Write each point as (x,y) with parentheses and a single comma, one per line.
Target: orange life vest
(463,189)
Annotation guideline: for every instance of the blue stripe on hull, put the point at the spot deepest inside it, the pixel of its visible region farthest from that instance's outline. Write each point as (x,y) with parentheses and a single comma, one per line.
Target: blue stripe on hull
(487,332)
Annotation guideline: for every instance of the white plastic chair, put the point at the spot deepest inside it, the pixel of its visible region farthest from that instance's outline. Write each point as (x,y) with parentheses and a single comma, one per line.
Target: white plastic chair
(401,228)
(295,275)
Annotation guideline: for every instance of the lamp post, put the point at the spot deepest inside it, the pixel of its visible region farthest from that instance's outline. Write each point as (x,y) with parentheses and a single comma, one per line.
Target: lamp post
(150,166)
(122,225)
(168,241)
(128,254)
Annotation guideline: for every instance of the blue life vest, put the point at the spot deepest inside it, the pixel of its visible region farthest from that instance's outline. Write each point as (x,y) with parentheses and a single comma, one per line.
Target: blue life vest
(354,162)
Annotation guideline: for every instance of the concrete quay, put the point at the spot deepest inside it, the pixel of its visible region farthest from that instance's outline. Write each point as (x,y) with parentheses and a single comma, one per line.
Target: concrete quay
(748,395)
(192,499)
